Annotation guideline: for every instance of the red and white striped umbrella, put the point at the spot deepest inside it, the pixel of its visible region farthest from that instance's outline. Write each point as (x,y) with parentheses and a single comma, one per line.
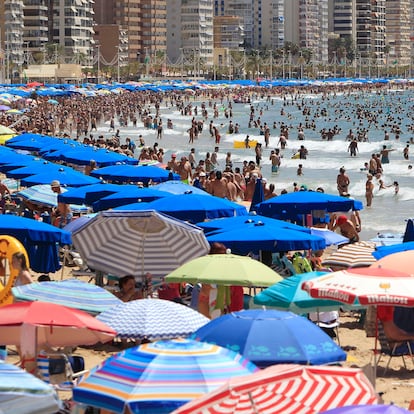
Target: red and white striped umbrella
(288,389)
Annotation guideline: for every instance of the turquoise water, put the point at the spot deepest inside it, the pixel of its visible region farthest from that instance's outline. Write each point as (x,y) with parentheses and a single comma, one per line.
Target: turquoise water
(381,111)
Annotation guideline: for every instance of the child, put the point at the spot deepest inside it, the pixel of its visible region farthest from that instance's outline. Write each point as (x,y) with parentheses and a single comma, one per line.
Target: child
(299,170)
(396,187)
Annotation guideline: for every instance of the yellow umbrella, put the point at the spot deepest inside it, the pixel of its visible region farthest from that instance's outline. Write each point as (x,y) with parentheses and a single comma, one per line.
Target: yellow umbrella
(4,130)
(5,137)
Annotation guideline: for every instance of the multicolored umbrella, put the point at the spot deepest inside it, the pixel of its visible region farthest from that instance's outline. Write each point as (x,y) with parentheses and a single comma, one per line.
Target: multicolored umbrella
(368,286)
(352,255)
(225,269)
(289,295)
(382,251)
(287,389)
(72,293)
(23,393)
(137,242)
(152,319)
(160,376)
(269,337)
(401,261)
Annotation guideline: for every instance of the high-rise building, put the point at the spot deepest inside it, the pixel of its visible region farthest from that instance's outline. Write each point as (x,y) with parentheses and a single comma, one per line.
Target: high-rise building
(36,27)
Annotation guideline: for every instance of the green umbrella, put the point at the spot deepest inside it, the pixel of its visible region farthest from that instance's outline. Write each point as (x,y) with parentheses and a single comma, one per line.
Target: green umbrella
(225,269)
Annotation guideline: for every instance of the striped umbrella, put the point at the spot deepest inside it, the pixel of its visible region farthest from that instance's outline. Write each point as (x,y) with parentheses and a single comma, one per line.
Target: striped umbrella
(21,392)
(135,242)
(287,389)
(352,255)
(71,293)
(160,376)
(152,319)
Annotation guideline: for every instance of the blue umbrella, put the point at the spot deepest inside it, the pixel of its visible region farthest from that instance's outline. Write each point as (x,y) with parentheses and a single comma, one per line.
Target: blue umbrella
(258,195)
(329,236)
(191,207)
(129,194)
(41,240)
(269,337)
(103,157)
(35,168)
(13,161)
(178,187)
(253,237)
(23,393)
(289,295)
(65,177)
(382,251)
(87,194)
(130,173)
(304,202)
(409,231)
(231,223)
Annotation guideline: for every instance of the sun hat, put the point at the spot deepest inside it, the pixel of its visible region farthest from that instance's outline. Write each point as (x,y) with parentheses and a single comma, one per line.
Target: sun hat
(55,183)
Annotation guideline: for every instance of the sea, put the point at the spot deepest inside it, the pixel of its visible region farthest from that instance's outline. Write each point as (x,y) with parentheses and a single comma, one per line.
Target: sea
(373,111)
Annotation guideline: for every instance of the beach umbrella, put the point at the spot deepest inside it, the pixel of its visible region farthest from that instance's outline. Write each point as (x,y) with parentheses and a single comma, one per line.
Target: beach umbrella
(41,240)
(4,108)
(289,295)
(368,286)
(5,130)
(178,187)
(152,319)
(5,137)
(258,195)
(103,157)
(253,237)
(352,255)
(71,293)
(160,376)
(269,337)
(382,251)
(23,393)
(130,194)
(409,231)
(53,101)
(192,207)
(232,223)
(401,261)
(130,173)
(65,177)
(304,202)
(225,269)
(288,389)
(36,167)
(136,242)
(87,194)
(14,112)
(368,409)
(43,195)
(330,237)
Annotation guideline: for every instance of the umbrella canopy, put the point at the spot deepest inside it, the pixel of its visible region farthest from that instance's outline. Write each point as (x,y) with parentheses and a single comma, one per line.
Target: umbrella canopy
(231,223)
(191,207)
(103,157)
(136,242)
(368,286)
(23,393)
(4,130)
(352,255)
(160,376)
(130,194)
(382,251)
(288,389)
(268,337)
(225,269)
(5,137)
(37,167)
(65,177)
(40,240)
(42,194)
(289,295)
(71,293)
(304,202)
(258,195)
(87,194)
(253,237)
(130,173)
(401,261)
(368,409)
(56,325)
(152,319)
(330,236)
(409,231)
(178,187)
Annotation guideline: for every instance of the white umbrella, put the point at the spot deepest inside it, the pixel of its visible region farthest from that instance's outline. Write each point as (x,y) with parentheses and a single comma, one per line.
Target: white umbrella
(136,242)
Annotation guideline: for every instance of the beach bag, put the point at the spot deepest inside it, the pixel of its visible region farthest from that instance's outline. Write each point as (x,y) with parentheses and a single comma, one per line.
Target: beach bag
(370,323)
(301,264)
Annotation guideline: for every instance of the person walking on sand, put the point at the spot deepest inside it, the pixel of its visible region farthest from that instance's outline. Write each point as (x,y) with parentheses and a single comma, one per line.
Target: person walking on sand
(369,190)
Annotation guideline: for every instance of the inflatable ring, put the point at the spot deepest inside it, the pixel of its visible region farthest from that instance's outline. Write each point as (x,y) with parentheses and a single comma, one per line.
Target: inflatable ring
(8,247)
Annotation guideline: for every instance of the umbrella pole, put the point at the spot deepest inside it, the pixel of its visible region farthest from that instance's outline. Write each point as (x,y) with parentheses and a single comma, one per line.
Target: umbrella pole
(254,408)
